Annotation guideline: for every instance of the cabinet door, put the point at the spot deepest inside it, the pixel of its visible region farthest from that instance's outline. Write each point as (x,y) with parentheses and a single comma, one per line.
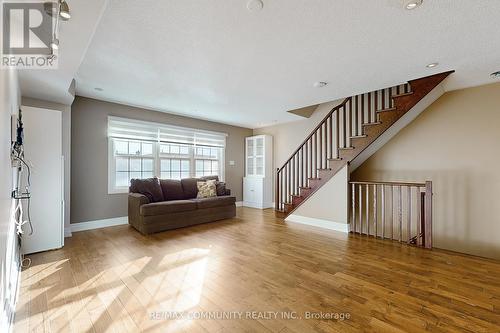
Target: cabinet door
(248,190)
(250,156)
(259,156)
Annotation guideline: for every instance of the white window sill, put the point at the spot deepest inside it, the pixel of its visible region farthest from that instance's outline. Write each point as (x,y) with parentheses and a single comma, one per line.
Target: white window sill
(118,191)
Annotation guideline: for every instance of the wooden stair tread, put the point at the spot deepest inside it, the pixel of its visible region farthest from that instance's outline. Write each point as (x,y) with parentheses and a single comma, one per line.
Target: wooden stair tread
(402,95)
(419,89)
(371,124)
(387,110)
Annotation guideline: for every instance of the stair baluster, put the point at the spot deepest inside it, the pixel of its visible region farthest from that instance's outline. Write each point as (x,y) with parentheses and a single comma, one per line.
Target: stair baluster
(342,135)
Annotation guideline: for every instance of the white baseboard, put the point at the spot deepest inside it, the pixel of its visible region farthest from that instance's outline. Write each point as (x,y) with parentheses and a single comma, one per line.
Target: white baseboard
(325,224)
(239,203)
(97,224)
(257,205)
(67,232)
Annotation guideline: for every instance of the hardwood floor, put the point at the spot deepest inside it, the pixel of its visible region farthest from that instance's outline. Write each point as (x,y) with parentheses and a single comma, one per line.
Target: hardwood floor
(116,280)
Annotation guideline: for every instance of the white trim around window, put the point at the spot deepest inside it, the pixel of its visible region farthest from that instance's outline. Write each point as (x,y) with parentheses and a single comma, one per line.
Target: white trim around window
(138,149)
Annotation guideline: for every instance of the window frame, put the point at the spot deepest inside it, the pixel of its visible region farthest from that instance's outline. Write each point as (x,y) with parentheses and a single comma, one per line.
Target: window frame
(157,156)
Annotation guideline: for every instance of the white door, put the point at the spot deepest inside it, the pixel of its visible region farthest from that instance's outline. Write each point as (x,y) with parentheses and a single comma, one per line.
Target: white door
(43,151)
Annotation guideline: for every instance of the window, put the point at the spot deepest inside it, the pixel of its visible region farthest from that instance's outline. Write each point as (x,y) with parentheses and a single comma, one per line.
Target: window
(138,150)
(206,161)
(133,159)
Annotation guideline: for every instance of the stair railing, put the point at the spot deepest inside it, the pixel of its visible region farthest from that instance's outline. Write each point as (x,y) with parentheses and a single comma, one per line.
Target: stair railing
(393,210)
(334,132)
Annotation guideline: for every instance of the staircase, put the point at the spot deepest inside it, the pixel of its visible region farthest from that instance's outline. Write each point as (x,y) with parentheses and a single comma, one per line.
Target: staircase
(341,136)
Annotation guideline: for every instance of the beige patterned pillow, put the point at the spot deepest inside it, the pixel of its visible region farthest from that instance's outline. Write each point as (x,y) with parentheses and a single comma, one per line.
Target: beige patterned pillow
(206,189)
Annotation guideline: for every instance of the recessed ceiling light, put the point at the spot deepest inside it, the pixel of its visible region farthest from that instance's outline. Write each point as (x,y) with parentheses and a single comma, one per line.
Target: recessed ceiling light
(320,84)
(98,89)
(413,4)
(495,75)
(432,65)
(255,5)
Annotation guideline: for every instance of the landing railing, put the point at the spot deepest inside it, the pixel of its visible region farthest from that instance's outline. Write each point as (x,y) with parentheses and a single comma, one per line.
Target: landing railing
(334,132)
(393,210)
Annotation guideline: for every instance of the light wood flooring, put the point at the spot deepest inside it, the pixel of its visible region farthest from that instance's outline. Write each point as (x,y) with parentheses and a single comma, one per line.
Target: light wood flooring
(116,280)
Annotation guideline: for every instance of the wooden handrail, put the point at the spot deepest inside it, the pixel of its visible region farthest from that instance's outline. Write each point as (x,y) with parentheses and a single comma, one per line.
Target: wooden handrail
(328,143)
(314,131)
(388,183)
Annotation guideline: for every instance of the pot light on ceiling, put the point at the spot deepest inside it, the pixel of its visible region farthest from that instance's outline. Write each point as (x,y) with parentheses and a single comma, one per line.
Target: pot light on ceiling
(410,5)
(432,65)
(255,5)
(320,84)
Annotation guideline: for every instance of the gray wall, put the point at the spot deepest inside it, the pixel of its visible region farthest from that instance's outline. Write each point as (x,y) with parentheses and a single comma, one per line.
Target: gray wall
(89,155)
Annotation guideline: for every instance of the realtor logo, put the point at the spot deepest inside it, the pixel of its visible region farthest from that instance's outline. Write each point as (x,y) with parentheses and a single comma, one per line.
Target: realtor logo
(27,32)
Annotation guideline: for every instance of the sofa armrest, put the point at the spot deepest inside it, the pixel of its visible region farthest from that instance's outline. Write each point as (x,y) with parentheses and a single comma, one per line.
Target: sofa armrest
(138,199)
(135,201)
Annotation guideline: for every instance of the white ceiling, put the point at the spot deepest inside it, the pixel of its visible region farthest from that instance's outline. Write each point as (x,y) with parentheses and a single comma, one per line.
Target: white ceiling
(216,60)
(75,36)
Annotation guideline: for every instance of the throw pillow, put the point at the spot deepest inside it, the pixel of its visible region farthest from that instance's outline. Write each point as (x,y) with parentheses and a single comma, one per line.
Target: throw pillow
(149,187)
(206,189)
(210,178)
(220,188)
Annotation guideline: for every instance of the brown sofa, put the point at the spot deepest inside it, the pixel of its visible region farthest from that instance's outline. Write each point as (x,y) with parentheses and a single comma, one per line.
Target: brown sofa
(156,205)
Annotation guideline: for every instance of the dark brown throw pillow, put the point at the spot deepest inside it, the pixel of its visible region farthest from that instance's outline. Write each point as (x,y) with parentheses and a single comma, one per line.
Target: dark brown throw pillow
(149,187)
(220,188)
(216,178)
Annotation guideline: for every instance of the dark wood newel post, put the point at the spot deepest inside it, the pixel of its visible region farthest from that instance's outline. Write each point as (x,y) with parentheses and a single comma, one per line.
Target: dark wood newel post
(428,215)
(277,205)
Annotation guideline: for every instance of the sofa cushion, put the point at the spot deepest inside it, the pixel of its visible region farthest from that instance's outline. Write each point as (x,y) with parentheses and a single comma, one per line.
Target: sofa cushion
(167,207)
(189,187)
(214,202)
(150,187)
(172,189)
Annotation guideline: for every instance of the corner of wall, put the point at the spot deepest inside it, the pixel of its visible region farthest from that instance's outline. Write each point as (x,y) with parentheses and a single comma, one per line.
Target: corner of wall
(329,206)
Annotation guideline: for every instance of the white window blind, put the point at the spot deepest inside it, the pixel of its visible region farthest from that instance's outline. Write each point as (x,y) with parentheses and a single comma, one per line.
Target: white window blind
(141,130)
(139,149)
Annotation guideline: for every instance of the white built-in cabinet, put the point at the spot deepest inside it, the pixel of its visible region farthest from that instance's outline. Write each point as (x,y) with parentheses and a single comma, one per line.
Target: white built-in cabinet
(258,180)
